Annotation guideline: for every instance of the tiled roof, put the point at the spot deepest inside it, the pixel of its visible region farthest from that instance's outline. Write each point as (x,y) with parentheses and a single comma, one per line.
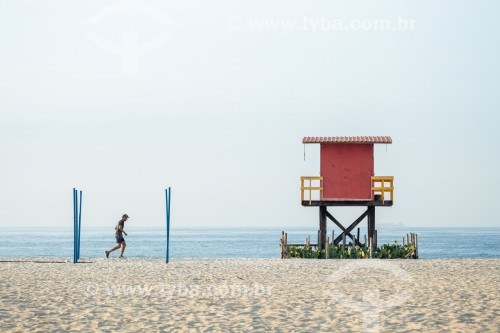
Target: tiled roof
(347,139)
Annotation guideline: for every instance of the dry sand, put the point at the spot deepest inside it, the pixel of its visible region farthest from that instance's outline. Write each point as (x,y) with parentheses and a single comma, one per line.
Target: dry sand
(258,295)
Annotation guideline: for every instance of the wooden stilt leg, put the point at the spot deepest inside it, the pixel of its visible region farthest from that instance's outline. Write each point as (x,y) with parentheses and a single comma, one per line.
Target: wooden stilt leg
(322,227)
(371,225)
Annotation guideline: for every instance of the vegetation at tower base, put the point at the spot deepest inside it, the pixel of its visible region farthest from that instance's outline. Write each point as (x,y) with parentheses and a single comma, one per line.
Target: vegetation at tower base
(386,251)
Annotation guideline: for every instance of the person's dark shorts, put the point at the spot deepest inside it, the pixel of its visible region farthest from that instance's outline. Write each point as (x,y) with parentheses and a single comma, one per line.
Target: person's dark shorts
(119,239)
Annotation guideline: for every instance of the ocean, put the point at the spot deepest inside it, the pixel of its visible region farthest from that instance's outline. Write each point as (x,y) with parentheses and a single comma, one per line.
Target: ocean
(232,243)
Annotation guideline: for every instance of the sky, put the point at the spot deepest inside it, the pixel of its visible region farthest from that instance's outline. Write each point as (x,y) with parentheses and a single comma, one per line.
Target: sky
(122,99)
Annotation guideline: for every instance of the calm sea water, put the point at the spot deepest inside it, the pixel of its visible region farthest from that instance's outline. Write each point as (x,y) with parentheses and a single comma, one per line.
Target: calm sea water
(232,243)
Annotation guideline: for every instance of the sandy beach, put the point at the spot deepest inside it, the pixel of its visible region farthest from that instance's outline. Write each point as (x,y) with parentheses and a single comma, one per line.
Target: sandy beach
(250,295)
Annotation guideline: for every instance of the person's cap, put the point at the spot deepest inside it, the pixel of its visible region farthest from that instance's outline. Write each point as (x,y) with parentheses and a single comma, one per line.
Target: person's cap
(125,216)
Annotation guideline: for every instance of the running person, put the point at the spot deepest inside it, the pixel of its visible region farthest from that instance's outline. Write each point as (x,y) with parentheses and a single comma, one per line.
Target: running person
(120,241)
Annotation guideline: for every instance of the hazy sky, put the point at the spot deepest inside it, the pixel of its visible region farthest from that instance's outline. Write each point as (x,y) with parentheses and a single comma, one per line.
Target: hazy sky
(121,99)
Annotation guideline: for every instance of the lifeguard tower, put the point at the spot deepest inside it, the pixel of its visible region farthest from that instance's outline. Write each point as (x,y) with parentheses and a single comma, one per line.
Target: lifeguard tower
(347,179)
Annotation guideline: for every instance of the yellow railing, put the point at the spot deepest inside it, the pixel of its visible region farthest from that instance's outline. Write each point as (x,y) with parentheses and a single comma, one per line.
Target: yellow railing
(382,188)
(311,188)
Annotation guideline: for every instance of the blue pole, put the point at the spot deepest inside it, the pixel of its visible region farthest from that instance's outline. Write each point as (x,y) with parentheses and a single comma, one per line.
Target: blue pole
(76,222)
(74,226)
(79,225)
(167,198)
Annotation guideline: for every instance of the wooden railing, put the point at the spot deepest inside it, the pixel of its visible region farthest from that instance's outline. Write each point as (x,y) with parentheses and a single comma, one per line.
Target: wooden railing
(382,188)
(311,188)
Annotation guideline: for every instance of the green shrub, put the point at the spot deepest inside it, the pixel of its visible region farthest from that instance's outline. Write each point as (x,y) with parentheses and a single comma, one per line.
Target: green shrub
(386,251)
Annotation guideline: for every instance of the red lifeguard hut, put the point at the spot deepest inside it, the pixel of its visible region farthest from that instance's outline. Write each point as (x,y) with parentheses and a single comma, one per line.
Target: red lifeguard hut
(347,179)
